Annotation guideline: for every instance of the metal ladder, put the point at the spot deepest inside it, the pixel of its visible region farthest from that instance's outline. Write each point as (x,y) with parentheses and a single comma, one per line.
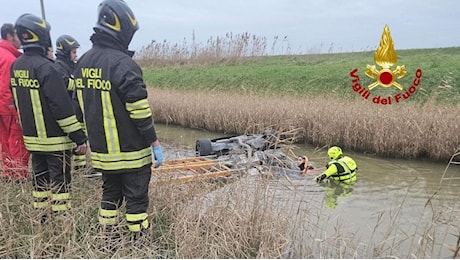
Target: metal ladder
(454,160)
(190,169)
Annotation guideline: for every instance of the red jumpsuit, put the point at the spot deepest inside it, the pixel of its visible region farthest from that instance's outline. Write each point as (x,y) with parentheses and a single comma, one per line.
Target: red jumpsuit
(15,157)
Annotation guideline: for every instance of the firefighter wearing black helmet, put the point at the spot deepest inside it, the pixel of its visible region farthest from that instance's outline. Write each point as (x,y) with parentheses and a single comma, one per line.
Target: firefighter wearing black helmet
(113,98)
(50,127)
(66,56)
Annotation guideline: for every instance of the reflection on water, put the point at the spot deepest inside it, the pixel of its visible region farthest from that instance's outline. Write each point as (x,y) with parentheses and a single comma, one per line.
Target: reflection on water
(182,136)
(398,198)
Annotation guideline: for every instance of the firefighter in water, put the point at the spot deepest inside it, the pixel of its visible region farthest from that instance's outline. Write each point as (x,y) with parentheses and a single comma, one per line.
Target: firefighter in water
(113,97)
(50,128)
(340,168)
(66,57)
(341,171)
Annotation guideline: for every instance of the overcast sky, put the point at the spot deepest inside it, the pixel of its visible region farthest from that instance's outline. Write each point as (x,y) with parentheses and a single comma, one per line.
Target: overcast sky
(310,26)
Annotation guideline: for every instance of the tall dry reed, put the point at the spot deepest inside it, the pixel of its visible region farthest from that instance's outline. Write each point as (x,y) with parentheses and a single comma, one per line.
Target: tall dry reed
(405,130)
(231,47)
(247,217)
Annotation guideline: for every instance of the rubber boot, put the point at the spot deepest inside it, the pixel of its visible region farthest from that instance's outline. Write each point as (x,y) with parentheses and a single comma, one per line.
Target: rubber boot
(143,238)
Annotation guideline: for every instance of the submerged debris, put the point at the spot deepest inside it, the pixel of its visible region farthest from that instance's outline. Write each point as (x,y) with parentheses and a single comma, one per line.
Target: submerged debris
(226,156)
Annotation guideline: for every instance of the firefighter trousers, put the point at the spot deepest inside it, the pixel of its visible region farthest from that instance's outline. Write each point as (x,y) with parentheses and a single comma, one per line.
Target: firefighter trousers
(51,180)
(131,187)
(15,157)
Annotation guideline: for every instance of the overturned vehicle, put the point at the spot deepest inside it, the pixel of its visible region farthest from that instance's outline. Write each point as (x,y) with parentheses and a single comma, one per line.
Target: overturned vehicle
(251,151)
(232,156)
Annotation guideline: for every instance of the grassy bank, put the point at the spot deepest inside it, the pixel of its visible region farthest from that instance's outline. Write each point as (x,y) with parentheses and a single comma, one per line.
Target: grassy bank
(406,131)
(317,74)
(314,92)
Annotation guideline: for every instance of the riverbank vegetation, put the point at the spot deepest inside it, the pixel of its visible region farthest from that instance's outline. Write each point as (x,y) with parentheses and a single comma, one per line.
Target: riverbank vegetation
(241,63)
(229,91)
(411,130)
(234,93)
(242,219)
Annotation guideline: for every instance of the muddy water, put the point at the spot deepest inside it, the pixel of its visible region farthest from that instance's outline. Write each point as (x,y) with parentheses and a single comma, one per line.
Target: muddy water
(399,201)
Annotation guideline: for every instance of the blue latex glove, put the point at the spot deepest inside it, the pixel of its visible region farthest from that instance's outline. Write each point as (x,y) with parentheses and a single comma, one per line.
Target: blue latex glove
(157,152)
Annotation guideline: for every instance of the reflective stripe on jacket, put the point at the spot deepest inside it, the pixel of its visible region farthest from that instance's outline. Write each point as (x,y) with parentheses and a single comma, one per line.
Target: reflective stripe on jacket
(47,118)
(66,67)
(113,97)
(343,170)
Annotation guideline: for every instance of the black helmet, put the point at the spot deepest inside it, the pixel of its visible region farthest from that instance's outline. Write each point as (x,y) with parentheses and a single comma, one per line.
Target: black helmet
(33,31)
(64,44)
(116,18)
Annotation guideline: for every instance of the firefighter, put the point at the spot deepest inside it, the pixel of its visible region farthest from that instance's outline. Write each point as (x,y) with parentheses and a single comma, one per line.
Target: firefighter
(66,57)
(113,97)
(50,127)
(340,168)
(14,156)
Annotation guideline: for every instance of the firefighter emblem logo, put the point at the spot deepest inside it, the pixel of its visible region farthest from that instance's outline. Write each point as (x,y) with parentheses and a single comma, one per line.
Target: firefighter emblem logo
(386,57)
(384,74)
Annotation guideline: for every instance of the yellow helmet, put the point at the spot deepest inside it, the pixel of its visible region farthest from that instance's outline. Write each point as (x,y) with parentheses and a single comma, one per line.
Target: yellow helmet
(334,152)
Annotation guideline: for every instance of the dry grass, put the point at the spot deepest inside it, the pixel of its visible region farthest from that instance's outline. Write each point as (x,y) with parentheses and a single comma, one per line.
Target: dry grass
(248,217)
(402,131)
(231,47)
(234,221)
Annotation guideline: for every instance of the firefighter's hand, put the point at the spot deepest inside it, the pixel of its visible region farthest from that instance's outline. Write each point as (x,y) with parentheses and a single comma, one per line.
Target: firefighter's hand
(81,149)
(157,152)
(320,178)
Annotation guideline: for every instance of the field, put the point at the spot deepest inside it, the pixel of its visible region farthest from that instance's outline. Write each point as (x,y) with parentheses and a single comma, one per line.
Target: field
(312,93)
(294,75)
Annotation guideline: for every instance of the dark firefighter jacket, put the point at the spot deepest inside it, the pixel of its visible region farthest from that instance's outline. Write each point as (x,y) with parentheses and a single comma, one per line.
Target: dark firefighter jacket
(48,121)
(66,67)
(113,98)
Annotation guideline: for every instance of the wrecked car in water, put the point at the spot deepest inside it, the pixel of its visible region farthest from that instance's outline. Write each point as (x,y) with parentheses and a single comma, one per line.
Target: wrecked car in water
(250,151)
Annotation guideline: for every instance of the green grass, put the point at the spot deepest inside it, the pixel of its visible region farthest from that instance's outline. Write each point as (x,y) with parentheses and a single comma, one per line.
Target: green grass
(318,74)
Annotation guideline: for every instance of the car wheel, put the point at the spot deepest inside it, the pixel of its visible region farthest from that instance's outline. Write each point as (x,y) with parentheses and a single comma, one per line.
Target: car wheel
(203,147)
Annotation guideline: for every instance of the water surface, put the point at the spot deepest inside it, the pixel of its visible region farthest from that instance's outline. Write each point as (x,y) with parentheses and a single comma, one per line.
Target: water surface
(402,201)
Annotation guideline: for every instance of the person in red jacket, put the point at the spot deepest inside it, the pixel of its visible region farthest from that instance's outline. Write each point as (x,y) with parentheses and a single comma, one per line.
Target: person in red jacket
(15,157)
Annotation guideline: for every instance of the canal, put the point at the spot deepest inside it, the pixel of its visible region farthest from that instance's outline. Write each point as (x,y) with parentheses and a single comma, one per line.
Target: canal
(397,206)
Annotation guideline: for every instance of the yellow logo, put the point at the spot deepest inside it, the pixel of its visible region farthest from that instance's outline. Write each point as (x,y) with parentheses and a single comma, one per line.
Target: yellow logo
(70,42)
(132,20)
(116,26)
(385,76)
(385,56)
(33,37)
(59,46)
(41,24)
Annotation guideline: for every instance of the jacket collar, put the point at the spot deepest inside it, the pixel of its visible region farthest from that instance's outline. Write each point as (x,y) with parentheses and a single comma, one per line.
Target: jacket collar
(66,60)
(105,40)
